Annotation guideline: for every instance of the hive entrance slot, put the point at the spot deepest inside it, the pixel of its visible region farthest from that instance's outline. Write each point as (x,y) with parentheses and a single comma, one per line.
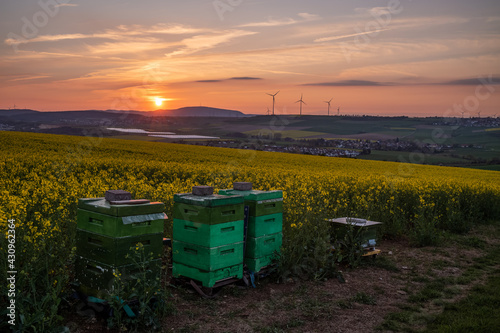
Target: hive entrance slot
(94,241)
(95,221)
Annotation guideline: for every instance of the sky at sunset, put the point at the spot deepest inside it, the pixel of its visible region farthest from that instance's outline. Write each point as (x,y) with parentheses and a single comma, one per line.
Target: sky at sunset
(391,57)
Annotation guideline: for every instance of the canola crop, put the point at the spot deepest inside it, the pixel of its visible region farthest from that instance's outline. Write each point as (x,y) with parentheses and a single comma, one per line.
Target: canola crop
(42,177)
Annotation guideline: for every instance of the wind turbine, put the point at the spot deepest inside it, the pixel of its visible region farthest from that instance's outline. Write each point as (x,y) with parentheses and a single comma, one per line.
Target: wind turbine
(329,105)
(273,99)
(268,111)
(479,114)
(338,111)
(301,102)
(463,114)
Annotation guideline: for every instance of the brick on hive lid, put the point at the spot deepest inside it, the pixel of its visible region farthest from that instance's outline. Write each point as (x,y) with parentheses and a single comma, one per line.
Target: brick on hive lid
(203,190)
(242,186)
(117,195)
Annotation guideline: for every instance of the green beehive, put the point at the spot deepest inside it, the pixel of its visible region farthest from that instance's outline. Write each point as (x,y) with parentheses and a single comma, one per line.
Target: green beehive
(120,208)
(209,215)
(256,264)
(207,258)
(263,246)
(366,230)
(265,207)
(113,250)
(264,225)
(121,226)
(208,235)
(96,278)
(107,228)
(202,206)
(117,215)
(258,202)
(207,278)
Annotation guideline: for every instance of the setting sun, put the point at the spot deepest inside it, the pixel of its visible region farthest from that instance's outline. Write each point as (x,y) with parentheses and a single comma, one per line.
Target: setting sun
(159,101)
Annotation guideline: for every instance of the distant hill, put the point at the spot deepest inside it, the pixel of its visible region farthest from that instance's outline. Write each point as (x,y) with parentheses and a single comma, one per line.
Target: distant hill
(16,112)
(27,115)
(32,116)
(198,111)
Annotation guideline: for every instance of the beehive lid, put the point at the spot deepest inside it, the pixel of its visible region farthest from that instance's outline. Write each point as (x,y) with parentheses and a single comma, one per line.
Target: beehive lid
(121,207)
(212,200)
(354,221)
(254,195)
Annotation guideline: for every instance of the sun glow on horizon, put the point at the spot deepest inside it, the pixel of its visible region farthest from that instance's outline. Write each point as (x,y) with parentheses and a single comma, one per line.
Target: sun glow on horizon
(159,101)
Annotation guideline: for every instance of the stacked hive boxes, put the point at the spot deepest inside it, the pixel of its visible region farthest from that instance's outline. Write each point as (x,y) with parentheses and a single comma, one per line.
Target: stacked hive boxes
(265,224)
(207,236)
(107,229)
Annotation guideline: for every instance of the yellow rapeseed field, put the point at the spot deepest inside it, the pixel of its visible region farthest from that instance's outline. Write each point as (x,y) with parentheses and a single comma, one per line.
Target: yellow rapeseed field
(42,177)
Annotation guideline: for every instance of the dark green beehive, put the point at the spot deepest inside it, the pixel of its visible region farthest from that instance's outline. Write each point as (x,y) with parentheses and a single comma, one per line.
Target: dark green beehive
(207,278)
(264,225)
(114,250)
(367,231)
(258,202)
(97,279)
(208,208)
(256,264)
(107,229)
(207,258)
(208,236)
(263,246)
(120,218)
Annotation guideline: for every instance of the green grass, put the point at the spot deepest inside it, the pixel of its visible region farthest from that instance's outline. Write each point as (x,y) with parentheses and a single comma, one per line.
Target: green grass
(495,167)
(454,158)
(137,137)
(403,128)
(294,134)
(471,242)
(397,133)
(432,290)
(478,312)
(485,153)
(364,298)
(360,297)
(411,129)
(410,157)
